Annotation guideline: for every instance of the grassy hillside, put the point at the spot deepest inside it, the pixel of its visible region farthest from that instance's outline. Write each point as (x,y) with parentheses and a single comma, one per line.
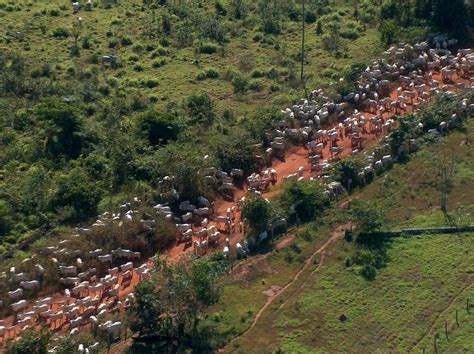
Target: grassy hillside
(164,62)
(421,279)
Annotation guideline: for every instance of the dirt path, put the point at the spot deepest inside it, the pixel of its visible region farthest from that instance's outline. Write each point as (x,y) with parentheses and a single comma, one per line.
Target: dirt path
(439,316)
(336,234)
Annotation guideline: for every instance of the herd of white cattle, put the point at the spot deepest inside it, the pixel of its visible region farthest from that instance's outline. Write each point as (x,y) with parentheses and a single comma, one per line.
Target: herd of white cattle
(88,297)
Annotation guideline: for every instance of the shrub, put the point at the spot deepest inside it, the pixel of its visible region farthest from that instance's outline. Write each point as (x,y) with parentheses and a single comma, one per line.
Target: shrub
(157,127)
(113,43)
(349,34)
(388,32)
(257,74)
(86,43)
(54,13)
(257,212)
(208,74)
(150,83)
(159,63)
(200,108)
(240,84)
(310,17)
(138,68)
(61,32)
(368,272)
(304,200)
(207,48)
(255,85)
(125,41)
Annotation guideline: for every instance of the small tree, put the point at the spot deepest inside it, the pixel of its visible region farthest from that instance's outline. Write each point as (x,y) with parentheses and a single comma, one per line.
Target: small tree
(388,32)
(157,127)
(304,200)
(368,216)
(258,213)
(445,172)
(31,342)
(200,108)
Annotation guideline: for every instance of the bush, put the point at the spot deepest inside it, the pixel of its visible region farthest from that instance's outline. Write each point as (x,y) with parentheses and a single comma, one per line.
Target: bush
(208,74)
(349,34)
(368,272)
(257,212)
(310,17)
(200,108)
(157,127)
(159,63)
(126,41)
(388,32)
(240,84)
(207,48)
(61,32)
(150,83)
(255,85)
(304,200)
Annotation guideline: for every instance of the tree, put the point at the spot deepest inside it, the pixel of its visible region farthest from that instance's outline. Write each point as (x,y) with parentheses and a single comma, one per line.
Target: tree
(445,169)
(146,311)
(346,170)
(6,217)
(451,16)
(31,342)
(270,15)
(170,312)
(74,190)
(240,84)
(368,216)
(388,32)
(304,200)
(258,213)
(158,128)
(200,108)
(62,125)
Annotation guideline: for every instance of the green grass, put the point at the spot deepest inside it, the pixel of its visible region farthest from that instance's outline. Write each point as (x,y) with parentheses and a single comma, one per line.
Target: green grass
(388,314)
(177,77)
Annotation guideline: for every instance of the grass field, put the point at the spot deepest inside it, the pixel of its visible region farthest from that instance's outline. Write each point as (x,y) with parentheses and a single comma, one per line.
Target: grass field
(394,312)
(176,76)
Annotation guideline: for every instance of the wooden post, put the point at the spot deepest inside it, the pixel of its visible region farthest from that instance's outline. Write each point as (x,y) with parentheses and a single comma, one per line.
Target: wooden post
(446,329)
(467,305)
(435,346)
(457,318)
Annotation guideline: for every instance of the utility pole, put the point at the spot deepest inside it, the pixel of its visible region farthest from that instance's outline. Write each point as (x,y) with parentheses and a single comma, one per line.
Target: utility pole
(302,42)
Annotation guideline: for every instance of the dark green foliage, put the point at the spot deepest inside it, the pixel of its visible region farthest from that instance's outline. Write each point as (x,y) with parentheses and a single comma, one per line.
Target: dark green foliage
(208,48)
(200,108)
(258,213)
(388,32)
(31,342)
(61,33)
(303,201)
(76,195)
(62,125)
(171,313)
(158,128)
(346,170)
(240,84)
(368,217)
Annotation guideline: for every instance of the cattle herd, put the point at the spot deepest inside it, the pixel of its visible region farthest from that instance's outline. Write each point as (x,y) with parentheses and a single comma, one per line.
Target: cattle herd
(400,82)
